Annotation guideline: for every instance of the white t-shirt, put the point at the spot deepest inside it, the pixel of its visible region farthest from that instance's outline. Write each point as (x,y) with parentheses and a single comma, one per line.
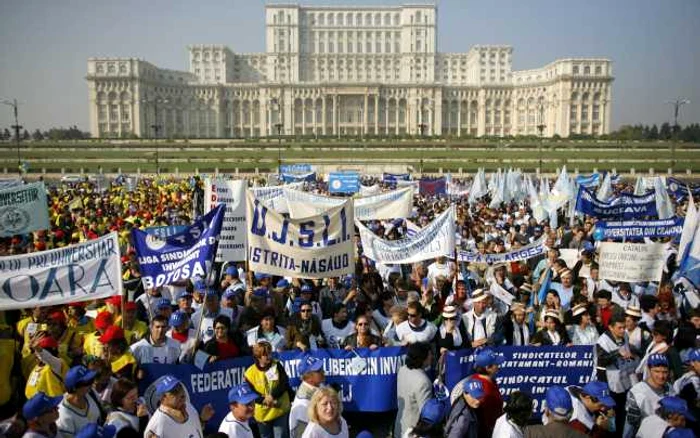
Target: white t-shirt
(506,429)
(334,336)
(235,428)
(298,415)
(163,425)
(409,334)
(313,430)
(71,419)
(145,352)
(207,327)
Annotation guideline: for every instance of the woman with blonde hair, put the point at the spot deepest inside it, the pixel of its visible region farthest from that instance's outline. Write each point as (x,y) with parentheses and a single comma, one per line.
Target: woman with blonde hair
(325,419)
(268,378)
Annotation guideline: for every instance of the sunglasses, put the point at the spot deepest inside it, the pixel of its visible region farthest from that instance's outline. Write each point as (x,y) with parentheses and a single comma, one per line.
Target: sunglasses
(413,315)
(451,319)
(361,323)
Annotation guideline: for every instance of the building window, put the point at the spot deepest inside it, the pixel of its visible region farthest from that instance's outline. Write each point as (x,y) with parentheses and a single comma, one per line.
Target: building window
(584,113)
(598,70)
(575,71)
(587,70)
(572,114)
(596,113)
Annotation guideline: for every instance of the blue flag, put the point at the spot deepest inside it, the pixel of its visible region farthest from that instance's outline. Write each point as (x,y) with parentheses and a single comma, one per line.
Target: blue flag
(544,287)
(180,256)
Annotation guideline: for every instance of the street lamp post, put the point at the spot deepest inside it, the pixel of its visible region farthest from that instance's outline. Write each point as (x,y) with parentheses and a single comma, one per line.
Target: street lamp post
(16,127)
(156,127)
(540,128)
(677,104)
(279,127)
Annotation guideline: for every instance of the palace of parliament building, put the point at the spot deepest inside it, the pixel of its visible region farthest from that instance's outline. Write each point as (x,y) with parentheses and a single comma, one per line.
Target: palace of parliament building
(334,71)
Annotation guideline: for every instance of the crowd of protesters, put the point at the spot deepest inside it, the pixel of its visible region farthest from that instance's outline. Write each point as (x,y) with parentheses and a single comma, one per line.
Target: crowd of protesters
(73,370)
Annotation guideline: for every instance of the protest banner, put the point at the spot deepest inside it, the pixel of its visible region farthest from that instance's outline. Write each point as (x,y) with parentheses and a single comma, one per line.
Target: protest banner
(432,187)
(392,178)
(86,271)
(178,257)
(23,209)
(679,188)
(219,191)
(501,294)
(638,229)
(620,207)
(570,256)
(274,198)
(631,262)
(388,205)
(344,182)
(588,181)
(370,190)
(435,240)
(9,183)
(298,177)
(296,168)
(529,369)
(526,252)
(368,384)
(313,247)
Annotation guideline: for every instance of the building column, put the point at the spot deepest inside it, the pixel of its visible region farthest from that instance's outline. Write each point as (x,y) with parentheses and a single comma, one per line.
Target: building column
(459,117)
(365,116)
(481,116)
(376,114)
(398,111)
(336,125)
(241,118)
(323,115)
(303,117)
(314,118)
(386,117)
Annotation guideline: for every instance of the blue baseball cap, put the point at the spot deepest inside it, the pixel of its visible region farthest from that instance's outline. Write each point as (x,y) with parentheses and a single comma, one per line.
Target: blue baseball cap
(93,430)
(232,271)
(163,303)
(365,434)
(211,293)
(283,283)
(676,405)
(166,384)
(230,293)
(694,355)
(310,364)
(178,318)
(297,303)
(307,288)
(487,357)
(600,391)
(77,375)
(475,388)
(199,285)
(260,292)
(184,294)
(433,411)
(679,433)
(40,404)
(242,394)
(559,400)
(657,360)
(261,276)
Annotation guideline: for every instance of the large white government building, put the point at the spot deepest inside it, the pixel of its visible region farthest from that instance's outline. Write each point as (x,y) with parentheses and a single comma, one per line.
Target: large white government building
(334,71)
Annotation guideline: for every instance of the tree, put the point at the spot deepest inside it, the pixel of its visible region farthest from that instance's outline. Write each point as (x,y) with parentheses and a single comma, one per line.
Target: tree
(654,133)
(25,135)
(665,131)
(6,135)
(37,135)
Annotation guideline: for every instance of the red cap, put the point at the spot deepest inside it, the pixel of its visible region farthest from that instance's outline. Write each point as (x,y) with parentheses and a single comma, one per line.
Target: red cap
(48,342)
(113,333)
(115,300)
(58,316)
(103,320)
(77,304)
(131,305)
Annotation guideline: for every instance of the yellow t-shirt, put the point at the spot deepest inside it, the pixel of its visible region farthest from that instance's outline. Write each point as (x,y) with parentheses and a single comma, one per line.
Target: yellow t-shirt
(43,379)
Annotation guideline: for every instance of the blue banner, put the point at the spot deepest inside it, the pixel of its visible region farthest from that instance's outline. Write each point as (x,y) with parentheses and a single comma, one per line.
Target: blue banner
(178,257)
(679,189)
(391,178)
(343,182)
(367,384)
(529,369)
(638,229)
(298,177)
(621,207)
(166,231)
(432,187)
(296,168)
(588,181)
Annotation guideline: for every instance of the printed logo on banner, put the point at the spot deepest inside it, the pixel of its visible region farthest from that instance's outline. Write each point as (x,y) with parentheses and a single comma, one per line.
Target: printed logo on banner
(344,182)
(166,231)
(178,257)
(23,209)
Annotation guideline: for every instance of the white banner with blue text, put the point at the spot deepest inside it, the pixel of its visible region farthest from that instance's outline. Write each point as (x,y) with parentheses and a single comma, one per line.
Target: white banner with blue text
(217,191)
(435,240)
(82,272)
(388,205)
(313,247)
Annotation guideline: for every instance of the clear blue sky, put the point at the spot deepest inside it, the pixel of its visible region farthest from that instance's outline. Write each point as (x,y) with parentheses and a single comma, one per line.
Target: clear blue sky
(45,44)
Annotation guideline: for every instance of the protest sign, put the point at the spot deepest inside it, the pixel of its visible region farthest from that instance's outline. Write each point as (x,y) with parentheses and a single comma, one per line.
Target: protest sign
(23,209)
(344,182)
(388,205)
(372,389)
(231,193)
(86,271)
(370,190)
(570,256)
(298,177)
(529,369)
(679,189)
(313,247)
(296,168)
(432,187)
(178,257)
(526,252)
(274,198)
(639,229)
(392,178)
(620,207)
(435,240)
(631,262)
(588,181)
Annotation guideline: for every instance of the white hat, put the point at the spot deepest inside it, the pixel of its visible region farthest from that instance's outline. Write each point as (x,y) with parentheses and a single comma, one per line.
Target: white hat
(578,309)
(633,311)
(449,312)
(552,314)
(479,295)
